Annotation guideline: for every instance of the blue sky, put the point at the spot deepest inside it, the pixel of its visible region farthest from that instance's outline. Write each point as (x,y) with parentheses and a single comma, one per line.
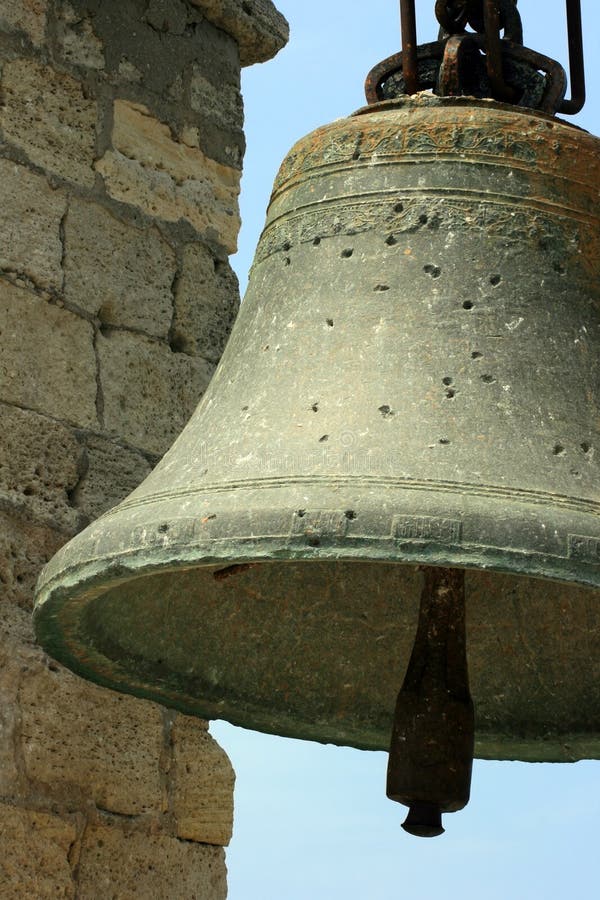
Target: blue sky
(313,821)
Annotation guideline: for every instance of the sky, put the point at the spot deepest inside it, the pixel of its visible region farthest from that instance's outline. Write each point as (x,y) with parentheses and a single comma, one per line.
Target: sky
(312,822)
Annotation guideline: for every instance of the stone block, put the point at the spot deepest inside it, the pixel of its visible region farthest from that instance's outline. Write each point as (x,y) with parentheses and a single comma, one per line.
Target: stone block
(112,473)
(47,362)
(28,16)
(41,461)
(35,854)
(222,103)
(124,863)
(81,742)
(202,784)
(17,654)
(167,15)
(258,27)
(17,640)
(26,545)
(167,179)
(47,115)
(231,142)
(76,38)
(149,391)
(216,55)
(206,304)
(30,217)
(9,774)
(117,271)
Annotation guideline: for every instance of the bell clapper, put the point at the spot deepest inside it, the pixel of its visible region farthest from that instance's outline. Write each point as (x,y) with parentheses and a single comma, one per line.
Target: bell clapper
(431,753)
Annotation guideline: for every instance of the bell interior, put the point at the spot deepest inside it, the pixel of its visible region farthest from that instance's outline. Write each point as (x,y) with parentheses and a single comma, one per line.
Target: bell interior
(318,650)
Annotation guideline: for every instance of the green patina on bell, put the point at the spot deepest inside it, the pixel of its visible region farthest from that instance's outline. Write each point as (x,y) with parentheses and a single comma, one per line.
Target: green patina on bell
(413,380)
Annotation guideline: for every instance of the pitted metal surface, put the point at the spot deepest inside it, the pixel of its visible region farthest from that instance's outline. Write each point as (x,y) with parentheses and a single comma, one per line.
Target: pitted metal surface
(412,379)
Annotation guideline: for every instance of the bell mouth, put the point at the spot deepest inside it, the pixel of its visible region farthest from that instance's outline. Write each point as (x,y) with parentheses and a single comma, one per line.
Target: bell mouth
(315,647)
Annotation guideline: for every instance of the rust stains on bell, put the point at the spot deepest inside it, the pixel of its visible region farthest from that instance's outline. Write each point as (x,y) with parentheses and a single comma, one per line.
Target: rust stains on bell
(424,304)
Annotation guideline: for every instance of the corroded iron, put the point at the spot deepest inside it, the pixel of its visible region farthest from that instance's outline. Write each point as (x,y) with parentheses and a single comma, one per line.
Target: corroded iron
(576,64)
(410,69)
(455,67)
(412,381)
(480,63)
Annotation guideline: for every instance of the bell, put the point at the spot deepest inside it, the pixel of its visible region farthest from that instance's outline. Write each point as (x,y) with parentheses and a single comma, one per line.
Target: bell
(410,391)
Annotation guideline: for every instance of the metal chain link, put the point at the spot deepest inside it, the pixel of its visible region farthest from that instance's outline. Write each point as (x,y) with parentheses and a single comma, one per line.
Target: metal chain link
(487,61)
(455,15)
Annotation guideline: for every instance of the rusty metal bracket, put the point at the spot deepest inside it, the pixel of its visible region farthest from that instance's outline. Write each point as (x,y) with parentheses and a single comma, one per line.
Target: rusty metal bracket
(489,61)
(408,22)
(456,67)
(379,80)
(576,60)
(493,52)
(523,67)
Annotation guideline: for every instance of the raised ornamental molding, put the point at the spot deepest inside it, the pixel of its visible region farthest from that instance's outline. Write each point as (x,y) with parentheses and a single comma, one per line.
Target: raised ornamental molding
(258,27)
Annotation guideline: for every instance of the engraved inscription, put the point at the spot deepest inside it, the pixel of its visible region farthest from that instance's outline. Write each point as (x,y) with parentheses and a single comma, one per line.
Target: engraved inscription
(584,548)
(342,216)
(426,528)
(317,523)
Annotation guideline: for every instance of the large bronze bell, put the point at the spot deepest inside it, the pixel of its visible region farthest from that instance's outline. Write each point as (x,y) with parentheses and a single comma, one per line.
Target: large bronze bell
(412,381)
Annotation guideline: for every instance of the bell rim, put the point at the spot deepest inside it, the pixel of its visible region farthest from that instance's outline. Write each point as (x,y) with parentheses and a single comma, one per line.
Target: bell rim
(489,745)
(525,563)
(408,528)
(61,602)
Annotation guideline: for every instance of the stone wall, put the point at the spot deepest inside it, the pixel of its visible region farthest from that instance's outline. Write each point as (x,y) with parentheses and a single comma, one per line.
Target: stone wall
(121,146)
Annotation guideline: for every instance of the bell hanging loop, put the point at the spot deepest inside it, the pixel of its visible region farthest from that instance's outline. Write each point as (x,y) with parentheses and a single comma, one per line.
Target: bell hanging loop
(493,47)
(488,61)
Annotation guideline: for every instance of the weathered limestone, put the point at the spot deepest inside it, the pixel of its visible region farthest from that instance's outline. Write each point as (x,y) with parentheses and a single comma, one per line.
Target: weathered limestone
(26,544)
(168,179)
(30,219)
(48,362)
(222,103)
(119,272)
(110,472)
(120,162)
(35,853)
(203,782)
(25,16)
(17,655)
(149,392)
(65,725)
(41,463)
(147,865)
(198,327)
(47,115)
(259,29)
(77,39)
